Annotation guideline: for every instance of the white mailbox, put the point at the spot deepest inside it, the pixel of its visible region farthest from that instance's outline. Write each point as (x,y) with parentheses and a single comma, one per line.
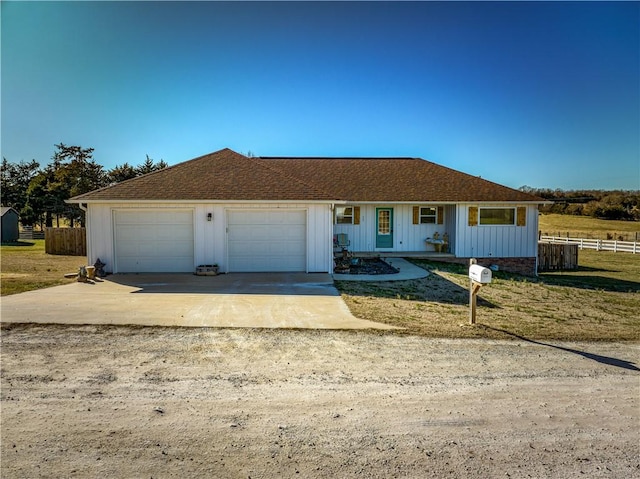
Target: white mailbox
(480,274)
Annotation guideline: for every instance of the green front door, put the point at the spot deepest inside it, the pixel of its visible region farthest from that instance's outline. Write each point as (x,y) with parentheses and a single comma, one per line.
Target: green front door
(384,227)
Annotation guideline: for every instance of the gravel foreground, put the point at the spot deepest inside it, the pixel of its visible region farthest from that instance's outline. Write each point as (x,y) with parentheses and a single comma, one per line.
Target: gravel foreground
(239,403)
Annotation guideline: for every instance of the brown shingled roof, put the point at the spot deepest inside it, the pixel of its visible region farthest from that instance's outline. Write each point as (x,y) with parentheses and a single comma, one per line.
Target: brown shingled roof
(227,175)
(396,179)
(223,175)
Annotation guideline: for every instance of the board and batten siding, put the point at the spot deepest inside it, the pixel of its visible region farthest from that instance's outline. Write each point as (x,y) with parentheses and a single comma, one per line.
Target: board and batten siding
(406,235)
(209,236)
(485,241)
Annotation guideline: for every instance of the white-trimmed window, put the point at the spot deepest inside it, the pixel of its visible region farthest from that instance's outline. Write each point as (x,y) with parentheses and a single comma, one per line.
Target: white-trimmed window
(428,215)
(498,216)
(344,215)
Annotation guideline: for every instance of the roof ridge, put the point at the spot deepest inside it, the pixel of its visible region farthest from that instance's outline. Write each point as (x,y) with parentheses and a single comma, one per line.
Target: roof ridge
(315,188)
(339,158)
(478,177)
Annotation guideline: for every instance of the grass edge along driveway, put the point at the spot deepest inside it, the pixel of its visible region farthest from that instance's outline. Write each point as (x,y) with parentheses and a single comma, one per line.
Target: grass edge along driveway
(598,302)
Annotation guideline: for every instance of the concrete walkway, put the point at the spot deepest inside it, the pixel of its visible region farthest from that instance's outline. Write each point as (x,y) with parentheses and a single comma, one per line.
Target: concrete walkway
(272,300)
(407,271)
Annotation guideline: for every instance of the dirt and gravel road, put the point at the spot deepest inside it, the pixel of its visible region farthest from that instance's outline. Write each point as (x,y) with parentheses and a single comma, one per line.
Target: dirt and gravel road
(87,401)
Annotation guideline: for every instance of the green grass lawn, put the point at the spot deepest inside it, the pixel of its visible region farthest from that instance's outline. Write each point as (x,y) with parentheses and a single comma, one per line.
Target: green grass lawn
(598,302)
(24,266)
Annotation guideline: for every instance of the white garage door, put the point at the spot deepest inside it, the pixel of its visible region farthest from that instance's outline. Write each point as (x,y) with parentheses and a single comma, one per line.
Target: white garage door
(267,240)
(149,241)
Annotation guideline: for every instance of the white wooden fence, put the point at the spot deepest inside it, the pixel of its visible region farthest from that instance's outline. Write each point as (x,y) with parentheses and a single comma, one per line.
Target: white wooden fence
(597,244)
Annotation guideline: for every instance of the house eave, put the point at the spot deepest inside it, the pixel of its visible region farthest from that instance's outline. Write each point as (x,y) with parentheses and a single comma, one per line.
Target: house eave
(444,202)
(335,201)
(200,201)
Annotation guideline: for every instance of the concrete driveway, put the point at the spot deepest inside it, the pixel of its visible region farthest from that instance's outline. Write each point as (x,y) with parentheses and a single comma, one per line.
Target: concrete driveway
(270,300)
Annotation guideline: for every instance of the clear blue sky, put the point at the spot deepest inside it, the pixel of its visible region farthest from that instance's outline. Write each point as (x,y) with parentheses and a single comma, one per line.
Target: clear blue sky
(544,94)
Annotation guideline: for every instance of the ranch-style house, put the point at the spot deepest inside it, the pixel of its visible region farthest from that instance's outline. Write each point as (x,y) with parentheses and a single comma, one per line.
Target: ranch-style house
(270,214)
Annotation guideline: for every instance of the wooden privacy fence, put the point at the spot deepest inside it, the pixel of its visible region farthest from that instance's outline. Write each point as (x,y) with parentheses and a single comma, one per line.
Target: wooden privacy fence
(554,256)
(68,241)
(597,244)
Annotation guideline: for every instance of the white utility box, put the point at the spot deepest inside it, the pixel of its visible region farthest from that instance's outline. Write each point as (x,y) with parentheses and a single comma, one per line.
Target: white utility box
(480,274)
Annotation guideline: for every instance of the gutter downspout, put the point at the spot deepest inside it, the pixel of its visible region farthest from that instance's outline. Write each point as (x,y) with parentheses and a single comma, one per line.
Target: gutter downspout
(332,207)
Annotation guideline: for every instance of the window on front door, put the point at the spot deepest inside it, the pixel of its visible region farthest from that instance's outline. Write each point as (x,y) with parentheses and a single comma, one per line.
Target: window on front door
(384,222)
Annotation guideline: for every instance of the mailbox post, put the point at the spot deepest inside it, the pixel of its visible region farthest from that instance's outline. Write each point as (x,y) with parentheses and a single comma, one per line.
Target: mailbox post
(478,276)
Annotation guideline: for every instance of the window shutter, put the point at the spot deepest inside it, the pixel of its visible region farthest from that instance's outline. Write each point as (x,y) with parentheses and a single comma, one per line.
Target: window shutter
(356,215)
(440,215)
(473,216)
(416,215)
(522,216)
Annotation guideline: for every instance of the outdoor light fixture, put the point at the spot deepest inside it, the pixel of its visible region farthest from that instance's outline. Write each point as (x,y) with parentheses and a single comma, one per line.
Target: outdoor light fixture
(209,216)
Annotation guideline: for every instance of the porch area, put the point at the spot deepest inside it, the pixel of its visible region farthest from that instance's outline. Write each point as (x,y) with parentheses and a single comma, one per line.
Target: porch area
(395,230)
(383,266)
(432,255)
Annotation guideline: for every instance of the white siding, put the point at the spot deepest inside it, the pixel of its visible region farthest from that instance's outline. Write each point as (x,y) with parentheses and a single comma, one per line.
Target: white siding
(210,236)
(406,235)
(497,241)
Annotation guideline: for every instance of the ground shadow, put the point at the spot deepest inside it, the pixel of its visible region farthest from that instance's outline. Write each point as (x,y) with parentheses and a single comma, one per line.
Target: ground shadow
(432,289)
(294,284)
(18,243)
(570,278)
(619,363)
(594,270)
(590,282)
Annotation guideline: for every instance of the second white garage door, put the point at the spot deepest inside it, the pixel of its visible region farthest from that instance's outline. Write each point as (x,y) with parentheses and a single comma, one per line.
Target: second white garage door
(267,240)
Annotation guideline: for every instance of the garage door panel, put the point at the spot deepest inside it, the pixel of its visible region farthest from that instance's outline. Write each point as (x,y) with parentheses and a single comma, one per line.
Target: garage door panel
(273,240)
(290,263)
(253,247)
(294,248)
(171,233)
(168,248)
(298,233)
(248,232)
(128,249)
(154,241)
(267,233)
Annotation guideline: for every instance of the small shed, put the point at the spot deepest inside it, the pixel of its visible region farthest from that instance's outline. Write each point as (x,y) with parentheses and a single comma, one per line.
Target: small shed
(9,230)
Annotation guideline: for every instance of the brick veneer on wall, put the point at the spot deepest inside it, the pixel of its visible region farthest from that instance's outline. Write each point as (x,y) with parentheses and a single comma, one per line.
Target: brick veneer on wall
(524,266)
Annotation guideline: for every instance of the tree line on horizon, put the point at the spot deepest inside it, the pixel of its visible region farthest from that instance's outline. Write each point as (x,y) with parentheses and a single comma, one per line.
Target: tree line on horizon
(39,193)
(602,204)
